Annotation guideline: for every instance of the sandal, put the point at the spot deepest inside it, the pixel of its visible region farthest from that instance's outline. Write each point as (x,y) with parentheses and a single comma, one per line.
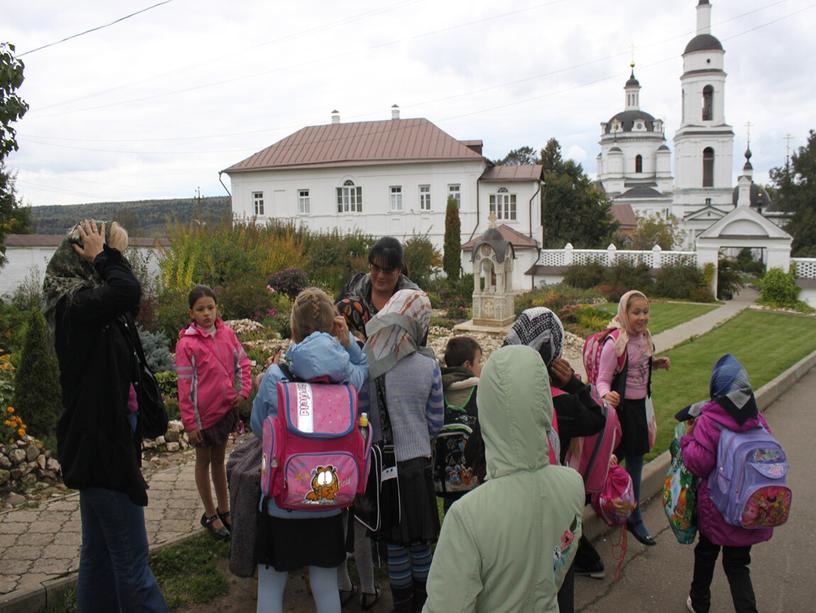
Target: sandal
(369,600)
(346,596)
(225,518)
(219,533)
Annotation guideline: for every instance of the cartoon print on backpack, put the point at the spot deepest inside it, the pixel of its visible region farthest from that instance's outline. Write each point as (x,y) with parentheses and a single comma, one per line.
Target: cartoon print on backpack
(325,485)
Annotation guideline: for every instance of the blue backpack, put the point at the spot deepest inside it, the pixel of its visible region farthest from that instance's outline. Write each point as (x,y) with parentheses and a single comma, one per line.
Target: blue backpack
(749,485)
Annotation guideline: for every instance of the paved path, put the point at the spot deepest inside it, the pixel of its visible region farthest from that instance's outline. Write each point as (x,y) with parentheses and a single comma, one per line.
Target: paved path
(40,544)
(657,578)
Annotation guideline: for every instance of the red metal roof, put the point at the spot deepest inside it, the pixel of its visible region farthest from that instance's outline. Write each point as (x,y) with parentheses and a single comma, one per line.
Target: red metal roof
(366,142)
(53,240)
(509,174)
(512,236)
(624,215)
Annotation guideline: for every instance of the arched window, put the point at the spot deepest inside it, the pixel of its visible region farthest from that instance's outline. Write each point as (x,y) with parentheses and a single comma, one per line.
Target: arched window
(708,167)
(349,198)
(638,163)
(708,103)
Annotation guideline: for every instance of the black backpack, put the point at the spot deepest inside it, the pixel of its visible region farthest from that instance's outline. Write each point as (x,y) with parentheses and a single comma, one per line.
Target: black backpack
(459,463)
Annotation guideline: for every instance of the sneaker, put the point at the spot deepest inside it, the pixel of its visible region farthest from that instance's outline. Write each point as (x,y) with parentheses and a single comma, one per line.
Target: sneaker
(596,570)
(689,606)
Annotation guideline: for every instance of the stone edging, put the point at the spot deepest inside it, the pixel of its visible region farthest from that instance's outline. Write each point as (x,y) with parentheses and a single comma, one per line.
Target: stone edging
(655,471)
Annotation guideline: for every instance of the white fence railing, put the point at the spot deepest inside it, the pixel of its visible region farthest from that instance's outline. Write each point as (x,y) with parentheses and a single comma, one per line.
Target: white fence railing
(653,258)
(805,267)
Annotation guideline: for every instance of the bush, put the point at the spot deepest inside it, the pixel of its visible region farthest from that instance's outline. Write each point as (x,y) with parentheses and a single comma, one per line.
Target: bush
(172,312)
(585,276)
(12,327)
(168,383)
(420,259)
(556,297)
(37,395)
(244,298)
(157,350)
(289,281)
(583,319)
(453,295)
(747,264)
(630,276)
(452,261)
(684,281)
(277,317)
(729,279)
(778,289)
(28,294)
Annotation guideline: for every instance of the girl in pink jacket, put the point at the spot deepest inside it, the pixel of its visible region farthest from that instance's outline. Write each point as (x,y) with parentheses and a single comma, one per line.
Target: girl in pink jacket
(733,407)
(213,378)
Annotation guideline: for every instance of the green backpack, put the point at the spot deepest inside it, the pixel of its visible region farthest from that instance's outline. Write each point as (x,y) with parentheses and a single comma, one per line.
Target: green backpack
(680,494)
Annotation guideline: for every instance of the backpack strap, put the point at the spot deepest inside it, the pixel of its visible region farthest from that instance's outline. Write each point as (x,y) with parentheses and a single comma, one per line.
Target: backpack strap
(385,420)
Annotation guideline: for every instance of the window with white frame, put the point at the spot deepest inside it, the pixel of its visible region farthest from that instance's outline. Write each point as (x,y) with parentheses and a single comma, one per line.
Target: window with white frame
(350,198)
(258,203)
(395,197)
(304,202)
(503,204)
(424,197)
(455,192)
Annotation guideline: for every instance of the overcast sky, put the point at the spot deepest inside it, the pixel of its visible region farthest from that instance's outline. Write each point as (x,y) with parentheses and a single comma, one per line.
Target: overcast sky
(155,106)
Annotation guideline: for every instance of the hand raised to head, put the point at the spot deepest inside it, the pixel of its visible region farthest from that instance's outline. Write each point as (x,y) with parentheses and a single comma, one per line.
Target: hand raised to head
(93,239)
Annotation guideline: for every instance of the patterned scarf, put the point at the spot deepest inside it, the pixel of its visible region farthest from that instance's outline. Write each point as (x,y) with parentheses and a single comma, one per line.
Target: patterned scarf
(731,389)
(355,312)
(66,274)
(397,331)
(540,329)
(621,321)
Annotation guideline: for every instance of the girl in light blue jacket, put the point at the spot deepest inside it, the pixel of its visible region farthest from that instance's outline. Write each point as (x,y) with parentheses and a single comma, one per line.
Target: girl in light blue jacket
(290,540)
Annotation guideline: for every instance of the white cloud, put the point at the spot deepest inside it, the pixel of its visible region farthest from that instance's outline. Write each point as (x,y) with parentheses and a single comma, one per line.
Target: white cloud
(158,104)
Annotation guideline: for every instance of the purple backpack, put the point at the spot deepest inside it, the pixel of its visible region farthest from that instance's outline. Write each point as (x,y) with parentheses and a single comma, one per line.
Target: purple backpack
(748,485)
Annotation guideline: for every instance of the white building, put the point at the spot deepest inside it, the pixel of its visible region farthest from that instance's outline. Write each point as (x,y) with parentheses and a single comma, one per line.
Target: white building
(634,162)
(389,177)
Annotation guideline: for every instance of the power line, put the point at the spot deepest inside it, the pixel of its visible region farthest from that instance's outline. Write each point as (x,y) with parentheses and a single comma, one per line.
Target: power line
(107,25)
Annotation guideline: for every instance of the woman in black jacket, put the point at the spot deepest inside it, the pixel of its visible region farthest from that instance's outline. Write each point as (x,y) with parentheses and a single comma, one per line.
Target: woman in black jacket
(89,293)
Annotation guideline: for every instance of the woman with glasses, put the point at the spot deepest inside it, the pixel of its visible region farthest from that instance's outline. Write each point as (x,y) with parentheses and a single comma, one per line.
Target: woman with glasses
(385,277)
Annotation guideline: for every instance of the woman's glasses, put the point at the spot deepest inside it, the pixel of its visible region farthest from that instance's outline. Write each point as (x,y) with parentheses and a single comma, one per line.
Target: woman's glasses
(376,270)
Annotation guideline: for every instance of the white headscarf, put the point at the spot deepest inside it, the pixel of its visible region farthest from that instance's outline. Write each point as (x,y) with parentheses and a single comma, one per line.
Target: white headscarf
(621,321)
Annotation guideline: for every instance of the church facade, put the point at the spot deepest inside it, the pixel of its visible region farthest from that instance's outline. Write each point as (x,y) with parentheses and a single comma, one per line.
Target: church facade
(634,164)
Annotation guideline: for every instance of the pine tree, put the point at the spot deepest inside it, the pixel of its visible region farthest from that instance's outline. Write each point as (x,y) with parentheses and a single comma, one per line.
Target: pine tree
(795,185)
(452,258)
(37,396)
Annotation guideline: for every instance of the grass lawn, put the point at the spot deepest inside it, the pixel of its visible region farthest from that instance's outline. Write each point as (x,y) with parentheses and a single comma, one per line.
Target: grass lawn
(665,315)
(765,343)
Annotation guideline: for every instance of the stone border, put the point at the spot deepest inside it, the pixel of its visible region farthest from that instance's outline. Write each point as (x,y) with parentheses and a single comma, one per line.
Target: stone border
(49,591)
(655,471)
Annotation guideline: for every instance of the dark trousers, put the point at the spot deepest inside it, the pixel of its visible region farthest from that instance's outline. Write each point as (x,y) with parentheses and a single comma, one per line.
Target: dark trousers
(114,574)
(566,595)
(735,563)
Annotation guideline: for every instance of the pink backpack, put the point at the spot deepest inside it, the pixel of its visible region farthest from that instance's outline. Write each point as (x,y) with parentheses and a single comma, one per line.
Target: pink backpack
(590,455)
(314,453)
(616,501)
(591,354)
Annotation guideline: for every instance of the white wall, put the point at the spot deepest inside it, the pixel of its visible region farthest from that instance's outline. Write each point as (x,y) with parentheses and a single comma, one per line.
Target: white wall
(281,187)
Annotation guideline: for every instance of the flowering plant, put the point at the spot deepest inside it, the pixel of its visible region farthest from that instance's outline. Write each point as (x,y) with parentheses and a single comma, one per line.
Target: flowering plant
(12,426)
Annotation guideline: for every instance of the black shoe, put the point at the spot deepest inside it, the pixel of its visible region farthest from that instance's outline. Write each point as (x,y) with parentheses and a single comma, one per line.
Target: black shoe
(641,534)
(225,518)
(596,570)
(219,533)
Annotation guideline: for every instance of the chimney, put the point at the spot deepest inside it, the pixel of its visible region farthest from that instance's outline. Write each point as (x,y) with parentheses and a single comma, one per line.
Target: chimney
(335,115)
(395,112)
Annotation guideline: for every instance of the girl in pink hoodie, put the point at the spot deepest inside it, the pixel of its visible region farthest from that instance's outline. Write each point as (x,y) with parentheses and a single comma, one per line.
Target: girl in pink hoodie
(213,378)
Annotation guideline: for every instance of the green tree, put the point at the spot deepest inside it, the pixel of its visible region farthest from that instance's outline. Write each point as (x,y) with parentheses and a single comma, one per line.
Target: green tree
(420,258)
(655,229)
(37,395)
(452,258)
(519,157)
(12,108)
(573,209)
(795,188)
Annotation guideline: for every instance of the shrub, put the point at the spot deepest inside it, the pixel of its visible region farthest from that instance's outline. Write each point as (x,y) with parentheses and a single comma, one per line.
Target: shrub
(12,427)
(555,297)
(12,327)
(746,263)
(729,279)
(583,319)
(172,312)
(682,281)
(452,260)
(278,314)
(585,276)
(420,258)
(289,281)
(37,396)
(157,350)
(168,383)
(453,295)
(778,288)
(244,298)
(28,294)
(630,276)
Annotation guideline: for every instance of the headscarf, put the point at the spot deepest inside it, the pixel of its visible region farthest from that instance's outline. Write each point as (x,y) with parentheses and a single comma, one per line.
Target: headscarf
(731,389)
(66,274)
(355,312)
(621,321)
(397,331)
(540,329)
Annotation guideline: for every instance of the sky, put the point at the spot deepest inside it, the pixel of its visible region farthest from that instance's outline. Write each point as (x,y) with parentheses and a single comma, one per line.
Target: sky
(156,105)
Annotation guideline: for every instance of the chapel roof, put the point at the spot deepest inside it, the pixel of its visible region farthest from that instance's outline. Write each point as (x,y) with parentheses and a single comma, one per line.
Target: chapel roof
(627,120)
(703,42)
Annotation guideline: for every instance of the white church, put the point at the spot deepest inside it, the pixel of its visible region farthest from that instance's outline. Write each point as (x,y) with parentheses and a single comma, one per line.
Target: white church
(634,164)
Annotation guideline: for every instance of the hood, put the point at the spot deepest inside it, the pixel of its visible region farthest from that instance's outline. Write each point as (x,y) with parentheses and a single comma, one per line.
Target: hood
(194,330)
(716,412)
(515,411)
(318,355)
(458,377)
